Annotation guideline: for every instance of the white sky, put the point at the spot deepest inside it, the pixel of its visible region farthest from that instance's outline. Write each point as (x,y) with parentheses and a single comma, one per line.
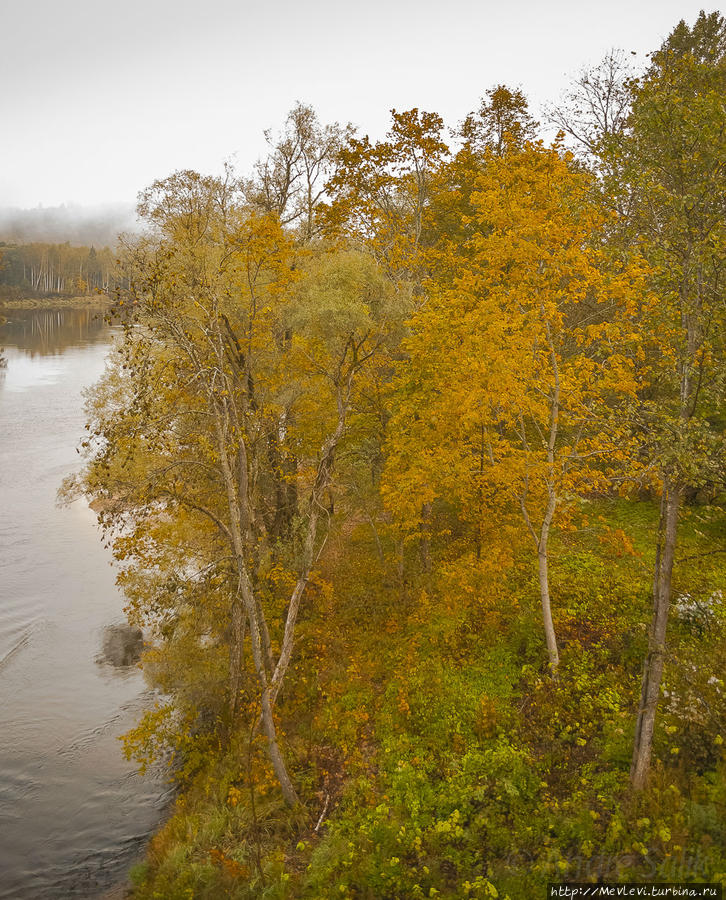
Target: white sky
(98,99)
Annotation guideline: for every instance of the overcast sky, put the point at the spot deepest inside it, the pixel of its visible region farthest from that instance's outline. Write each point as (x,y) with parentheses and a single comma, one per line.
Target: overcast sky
(98,99)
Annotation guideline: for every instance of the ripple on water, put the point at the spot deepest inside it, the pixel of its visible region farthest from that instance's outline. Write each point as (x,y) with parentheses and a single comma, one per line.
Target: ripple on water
(17,632)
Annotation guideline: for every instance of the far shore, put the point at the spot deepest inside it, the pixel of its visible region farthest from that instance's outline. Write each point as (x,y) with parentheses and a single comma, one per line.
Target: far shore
(56,302)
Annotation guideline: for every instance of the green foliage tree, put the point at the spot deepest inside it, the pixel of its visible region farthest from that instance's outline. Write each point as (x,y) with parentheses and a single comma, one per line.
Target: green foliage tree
(671,162)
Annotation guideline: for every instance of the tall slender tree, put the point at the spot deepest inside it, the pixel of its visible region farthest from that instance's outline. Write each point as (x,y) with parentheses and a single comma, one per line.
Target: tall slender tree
(672,163)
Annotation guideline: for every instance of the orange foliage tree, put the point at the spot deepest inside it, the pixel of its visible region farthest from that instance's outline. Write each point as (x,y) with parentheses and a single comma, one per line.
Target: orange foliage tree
(505,400)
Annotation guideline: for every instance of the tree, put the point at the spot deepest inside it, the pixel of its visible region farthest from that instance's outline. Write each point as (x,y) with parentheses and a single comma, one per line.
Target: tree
(595,109)
(291,181)
(502,120)
(233,330)
(519,363)
(672,162)
(501,125)
(381,192)
(381,197)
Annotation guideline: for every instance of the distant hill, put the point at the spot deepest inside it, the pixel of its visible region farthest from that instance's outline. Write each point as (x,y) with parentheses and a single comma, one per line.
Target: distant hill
(97,226)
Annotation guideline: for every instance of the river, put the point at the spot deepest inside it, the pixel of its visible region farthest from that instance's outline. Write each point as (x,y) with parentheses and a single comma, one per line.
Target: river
(74,815)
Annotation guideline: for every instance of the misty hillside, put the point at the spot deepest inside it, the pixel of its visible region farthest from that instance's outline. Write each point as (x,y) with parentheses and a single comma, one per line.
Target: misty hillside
(82,225)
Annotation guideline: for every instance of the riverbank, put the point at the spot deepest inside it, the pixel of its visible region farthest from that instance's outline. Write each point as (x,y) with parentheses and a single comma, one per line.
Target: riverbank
(55,302)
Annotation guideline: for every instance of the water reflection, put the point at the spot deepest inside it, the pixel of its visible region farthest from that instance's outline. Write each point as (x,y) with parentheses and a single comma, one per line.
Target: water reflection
(49,331)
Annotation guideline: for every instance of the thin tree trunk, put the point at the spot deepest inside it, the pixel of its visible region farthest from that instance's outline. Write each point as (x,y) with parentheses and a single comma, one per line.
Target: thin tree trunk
(662,580)
(322,478)
(268,721)
(376,538)
(235,658)
(654,661)
(544,585)
(544,534)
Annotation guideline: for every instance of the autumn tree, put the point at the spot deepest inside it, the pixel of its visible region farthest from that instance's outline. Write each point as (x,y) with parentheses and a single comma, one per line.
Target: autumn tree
(232,329)
(50,269)
(291,181)
(501,124)
(518,364)
(502,120)
(381,191)
(380,198)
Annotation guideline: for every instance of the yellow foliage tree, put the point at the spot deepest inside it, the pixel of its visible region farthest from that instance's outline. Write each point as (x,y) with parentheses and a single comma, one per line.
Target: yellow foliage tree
(505,399)
(247,352)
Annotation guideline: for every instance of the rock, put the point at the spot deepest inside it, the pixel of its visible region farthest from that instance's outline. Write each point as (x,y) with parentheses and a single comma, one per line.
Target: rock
(122,645)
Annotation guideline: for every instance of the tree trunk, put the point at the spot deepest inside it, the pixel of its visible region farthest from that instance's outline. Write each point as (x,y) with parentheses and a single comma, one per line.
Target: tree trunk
(268,721)
(326,462)
(544,585)
(544,534)
(654,661)
(235,658)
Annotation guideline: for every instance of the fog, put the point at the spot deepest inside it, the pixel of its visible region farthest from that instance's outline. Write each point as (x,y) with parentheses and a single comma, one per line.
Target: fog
(100,98)
(97,225)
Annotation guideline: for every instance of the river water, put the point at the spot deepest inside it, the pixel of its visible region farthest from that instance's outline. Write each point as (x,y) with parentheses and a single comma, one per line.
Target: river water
(73,813)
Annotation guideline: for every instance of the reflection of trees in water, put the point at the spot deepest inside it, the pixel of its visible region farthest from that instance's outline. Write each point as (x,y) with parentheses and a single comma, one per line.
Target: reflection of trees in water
(47,331)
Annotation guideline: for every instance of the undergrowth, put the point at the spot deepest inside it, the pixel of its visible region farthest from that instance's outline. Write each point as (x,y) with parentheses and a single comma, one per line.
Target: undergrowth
(435,756)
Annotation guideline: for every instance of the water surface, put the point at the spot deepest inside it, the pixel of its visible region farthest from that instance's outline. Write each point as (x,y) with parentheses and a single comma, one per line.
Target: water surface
(73,813)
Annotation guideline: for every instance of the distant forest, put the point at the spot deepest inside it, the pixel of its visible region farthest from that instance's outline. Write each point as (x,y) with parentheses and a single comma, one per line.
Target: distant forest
(44,270)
